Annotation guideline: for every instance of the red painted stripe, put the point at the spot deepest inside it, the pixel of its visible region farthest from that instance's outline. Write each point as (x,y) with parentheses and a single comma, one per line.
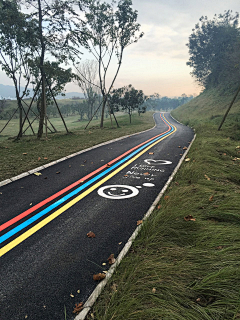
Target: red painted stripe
(54,196)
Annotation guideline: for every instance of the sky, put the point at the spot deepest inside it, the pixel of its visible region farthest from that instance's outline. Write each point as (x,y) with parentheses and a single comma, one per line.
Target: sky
(157,62)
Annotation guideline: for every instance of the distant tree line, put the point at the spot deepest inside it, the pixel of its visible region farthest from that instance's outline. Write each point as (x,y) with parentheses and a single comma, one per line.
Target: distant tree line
(214,47)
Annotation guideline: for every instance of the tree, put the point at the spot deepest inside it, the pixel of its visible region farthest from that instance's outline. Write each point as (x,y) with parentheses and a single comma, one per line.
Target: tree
(110,31)
(210,44)
(128,99)
(59,29)
(17,39)
(87,81)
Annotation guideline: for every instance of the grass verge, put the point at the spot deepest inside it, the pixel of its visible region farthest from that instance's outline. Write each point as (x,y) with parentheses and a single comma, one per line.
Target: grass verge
(29,152)
(186,270)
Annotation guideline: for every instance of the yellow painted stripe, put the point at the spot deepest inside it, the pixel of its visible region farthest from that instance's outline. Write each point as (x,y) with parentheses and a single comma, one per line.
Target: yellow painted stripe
(55,214)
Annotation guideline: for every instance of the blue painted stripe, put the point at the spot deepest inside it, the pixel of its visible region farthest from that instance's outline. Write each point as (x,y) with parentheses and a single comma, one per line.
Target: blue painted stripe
(76,191)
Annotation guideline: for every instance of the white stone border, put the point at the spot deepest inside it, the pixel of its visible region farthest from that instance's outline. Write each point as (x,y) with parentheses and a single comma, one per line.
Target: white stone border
(27,173)
(96,292)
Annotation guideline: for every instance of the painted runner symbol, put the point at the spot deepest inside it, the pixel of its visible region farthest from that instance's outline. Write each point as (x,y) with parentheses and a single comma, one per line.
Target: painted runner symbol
(157,162)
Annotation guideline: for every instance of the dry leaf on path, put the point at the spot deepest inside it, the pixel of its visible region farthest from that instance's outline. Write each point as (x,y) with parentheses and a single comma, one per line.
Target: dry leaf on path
(188,159)
(146,173)
(99,276)
(150,152)
(45,158)
(166,198)
(139,222)
(159,206)
(24,153)
(207,177)
(57,172)
(111,259)
(78,307)
(37,173)
(39,158)
(189,218)
(91,234)
(184,148)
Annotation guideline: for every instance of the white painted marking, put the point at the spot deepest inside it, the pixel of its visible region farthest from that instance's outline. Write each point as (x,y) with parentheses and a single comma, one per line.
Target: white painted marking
(148,184)
(120,192)
(157,162)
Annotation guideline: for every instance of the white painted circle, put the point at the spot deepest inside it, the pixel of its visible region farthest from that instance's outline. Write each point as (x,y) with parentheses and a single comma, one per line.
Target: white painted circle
(157,162)
(148,184)
(123,192)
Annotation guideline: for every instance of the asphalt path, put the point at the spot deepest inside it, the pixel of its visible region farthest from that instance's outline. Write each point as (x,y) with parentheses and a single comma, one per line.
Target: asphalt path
(47,261)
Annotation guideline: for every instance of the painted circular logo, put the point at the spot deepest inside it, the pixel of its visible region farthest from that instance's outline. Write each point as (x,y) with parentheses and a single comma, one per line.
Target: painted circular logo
(118,192)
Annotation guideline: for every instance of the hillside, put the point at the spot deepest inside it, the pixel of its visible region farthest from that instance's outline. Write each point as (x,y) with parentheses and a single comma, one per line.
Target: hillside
(209,108)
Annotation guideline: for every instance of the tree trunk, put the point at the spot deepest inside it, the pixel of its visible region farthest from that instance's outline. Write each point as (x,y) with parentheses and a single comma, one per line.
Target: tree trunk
(42,110)
(103,109)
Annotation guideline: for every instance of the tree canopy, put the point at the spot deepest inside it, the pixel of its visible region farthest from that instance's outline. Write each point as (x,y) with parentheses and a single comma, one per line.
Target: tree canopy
(214,49)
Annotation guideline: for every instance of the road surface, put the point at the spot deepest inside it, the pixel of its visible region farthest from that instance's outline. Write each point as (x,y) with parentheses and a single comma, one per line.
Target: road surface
(47,261)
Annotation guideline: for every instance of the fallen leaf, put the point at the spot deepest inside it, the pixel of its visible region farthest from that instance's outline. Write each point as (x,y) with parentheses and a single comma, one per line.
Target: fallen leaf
(92,315)
(24,153)
(78,291)
(211,198)
(108,165)
(184,148)
(150,152)
(166,197)
(238,147)
(159,206)
(71,295)
(57,172)
(90,234)
(105,272)
(111,259)
(154,290)
(85,161)
(188,159)
(126,175)
(39,158)
(120,243)
(139,222)
(220,247)
(104,264)
(99,276)
(114,287)
(179,147)
(78,307)
(216,206)
(69,166)
(189,218)
(37,173)
(30,204)
(146,173)
(207,177)
(45,158)
(224,154)
(176,183)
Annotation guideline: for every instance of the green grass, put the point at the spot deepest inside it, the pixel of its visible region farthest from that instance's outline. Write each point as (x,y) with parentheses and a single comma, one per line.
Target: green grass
(187,270)
(58,145)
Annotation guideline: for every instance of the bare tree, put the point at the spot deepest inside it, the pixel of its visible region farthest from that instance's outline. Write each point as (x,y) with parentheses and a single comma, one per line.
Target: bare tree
(110,29)
(87,73)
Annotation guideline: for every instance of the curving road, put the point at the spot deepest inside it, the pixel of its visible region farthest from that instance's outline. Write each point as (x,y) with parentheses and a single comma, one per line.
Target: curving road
(46,259)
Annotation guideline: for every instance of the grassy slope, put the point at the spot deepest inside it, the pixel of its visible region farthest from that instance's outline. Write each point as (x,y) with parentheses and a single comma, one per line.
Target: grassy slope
(181,269)
(14,162)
